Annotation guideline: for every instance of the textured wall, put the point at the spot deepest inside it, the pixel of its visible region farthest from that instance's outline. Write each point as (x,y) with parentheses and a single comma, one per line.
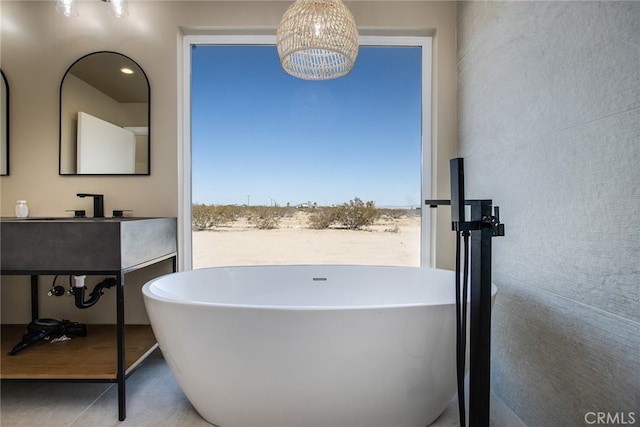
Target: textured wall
(549,125)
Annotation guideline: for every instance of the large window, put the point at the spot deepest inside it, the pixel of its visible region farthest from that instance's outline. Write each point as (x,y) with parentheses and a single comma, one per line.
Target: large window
(287,171)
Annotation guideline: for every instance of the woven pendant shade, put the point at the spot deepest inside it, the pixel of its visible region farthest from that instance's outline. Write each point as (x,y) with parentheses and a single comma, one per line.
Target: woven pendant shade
(317,40)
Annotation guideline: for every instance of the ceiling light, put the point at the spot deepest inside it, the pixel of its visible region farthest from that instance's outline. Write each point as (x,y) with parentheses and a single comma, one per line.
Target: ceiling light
(126,70)
(118,8)
(68,8)
(317,40)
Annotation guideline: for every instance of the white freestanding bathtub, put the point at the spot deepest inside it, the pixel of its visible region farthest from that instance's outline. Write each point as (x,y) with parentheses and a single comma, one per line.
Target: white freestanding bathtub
(314,345)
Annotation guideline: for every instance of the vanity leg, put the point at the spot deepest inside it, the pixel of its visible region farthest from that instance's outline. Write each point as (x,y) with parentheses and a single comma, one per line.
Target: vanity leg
(34,297)
(122,412)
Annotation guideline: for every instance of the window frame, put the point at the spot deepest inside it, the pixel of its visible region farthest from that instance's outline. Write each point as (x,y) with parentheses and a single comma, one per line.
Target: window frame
(185,252)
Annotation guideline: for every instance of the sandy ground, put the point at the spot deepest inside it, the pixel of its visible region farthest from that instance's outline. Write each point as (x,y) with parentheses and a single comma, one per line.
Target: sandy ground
(387,242)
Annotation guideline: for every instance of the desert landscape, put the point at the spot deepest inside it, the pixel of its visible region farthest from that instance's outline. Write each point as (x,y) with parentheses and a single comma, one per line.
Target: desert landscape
(390,240)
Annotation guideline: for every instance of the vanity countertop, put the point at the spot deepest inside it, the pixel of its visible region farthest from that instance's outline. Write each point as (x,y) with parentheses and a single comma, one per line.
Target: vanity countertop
(73,219)
(48,245)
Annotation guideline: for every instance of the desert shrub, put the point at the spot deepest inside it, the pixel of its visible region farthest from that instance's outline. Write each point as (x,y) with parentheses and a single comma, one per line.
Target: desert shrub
(202,216)
(412,213)
(283,211)
(229,213)
(357,214)
(207,216)
(322,218)
(288,211)
(265,217)
(393,213)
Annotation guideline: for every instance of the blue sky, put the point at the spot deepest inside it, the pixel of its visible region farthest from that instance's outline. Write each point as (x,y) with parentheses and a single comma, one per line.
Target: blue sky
(264,137)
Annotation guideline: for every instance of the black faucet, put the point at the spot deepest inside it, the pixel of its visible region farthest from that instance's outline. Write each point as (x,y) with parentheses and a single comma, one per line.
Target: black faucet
(98,204)
(482,227)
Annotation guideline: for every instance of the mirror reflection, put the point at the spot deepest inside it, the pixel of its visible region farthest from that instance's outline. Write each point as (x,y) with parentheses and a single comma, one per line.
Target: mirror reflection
(104,117)
(4,126)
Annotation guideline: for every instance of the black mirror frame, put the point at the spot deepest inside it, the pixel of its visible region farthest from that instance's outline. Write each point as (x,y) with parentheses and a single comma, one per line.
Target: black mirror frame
(148,119)
(6,131)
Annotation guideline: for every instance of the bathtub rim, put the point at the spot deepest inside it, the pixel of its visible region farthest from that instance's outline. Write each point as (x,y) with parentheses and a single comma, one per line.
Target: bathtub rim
(148,293)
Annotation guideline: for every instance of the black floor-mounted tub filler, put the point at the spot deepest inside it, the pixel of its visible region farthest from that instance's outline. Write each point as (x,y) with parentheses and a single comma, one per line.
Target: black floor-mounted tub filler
(483,225)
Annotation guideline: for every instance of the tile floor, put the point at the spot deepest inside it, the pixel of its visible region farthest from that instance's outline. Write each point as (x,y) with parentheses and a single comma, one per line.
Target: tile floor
(154,399)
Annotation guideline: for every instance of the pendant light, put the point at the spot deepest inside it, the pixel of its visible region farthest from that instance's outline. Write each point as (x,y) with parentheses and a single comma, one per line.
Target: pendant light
(317,40)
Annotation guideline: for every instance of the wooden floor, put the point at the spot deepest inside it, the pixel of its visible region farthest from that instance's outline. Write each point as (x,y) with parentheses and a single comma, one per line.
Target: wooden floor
(92,357)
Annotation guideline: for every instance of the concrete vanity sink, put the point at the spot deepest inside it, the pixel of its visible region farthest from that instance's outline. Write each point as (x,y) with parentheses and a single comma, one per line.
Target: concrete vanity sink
(40,245)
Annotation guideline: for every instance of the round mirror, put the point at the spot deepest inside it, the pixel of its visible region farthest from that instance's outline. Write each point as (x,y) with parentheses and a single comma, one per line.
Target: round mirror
(104,117)
(4,125)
